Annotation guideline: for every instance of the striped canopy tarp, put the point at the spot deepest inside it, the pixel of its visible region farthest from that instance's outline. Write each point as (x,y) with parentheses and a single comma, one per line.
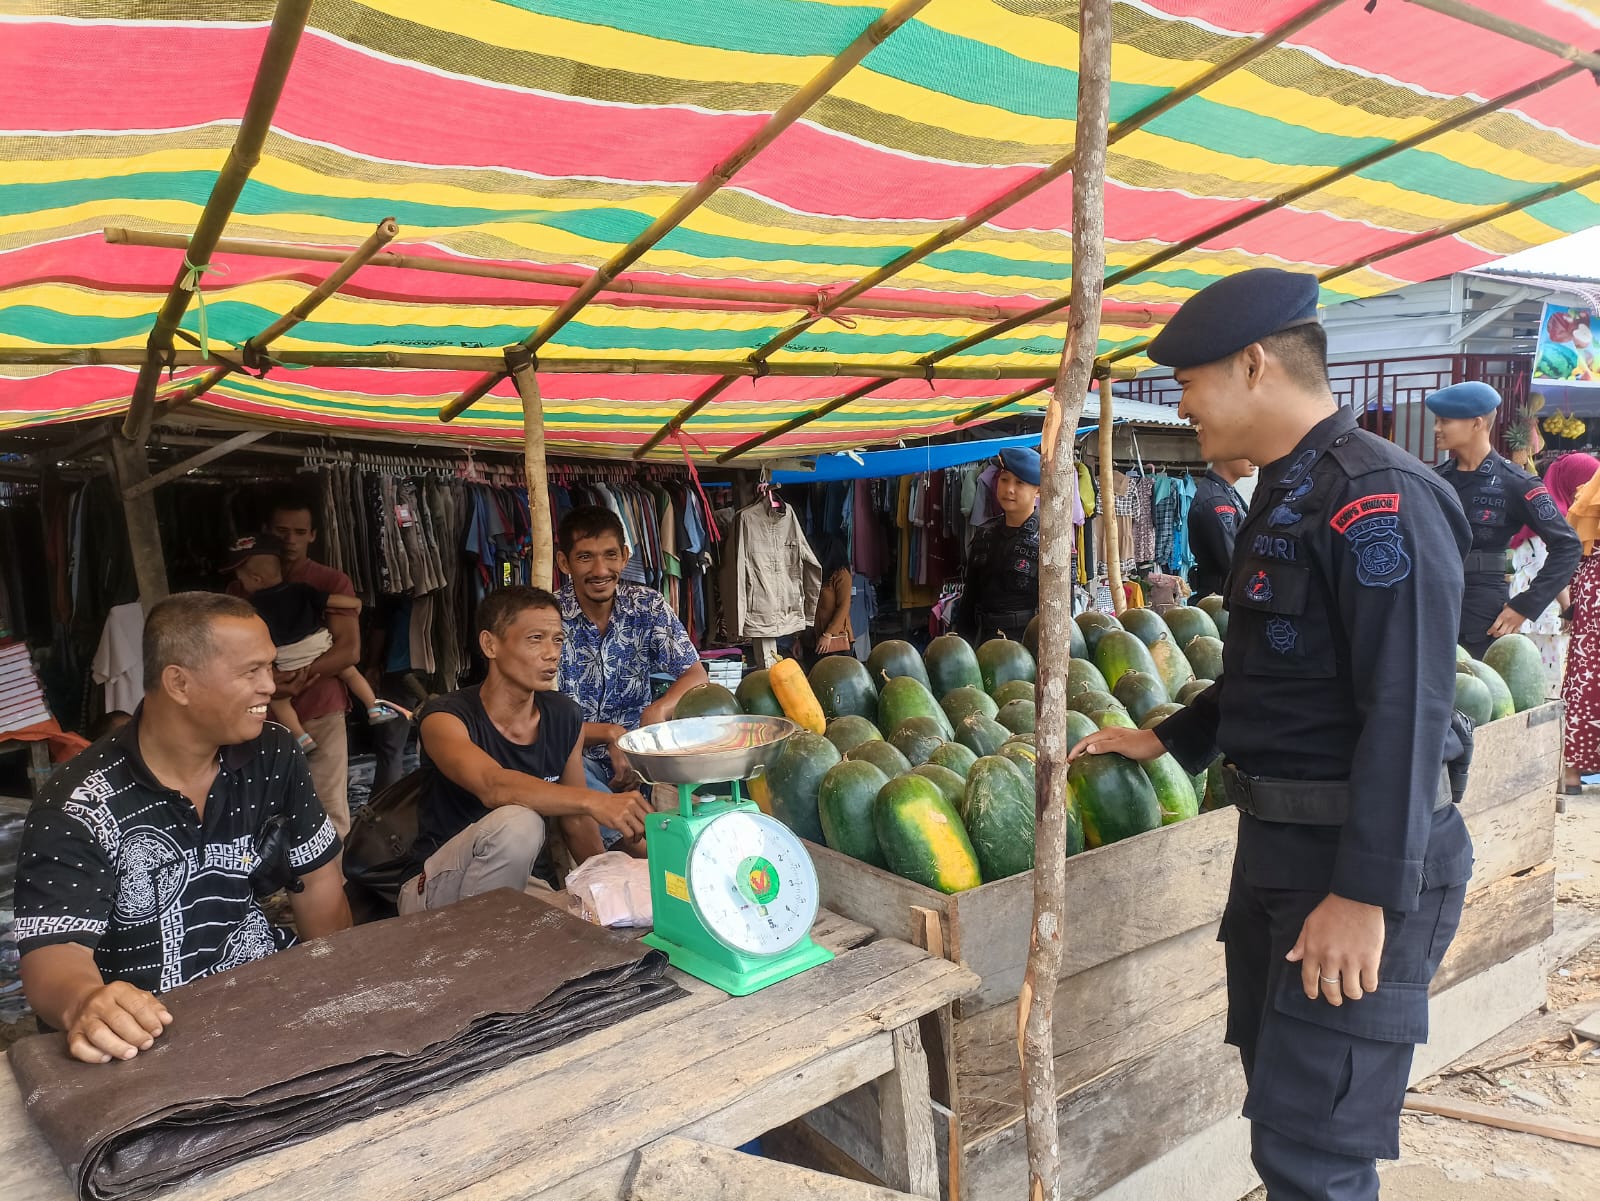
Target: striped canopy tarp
(1376,144)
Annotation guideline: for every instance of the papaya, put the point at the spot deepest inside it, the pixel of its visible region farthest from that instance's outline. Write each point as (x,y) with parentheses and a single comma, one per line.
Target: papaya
(1140,693)
(954,756)
(965,700)
(892,659)
(1121,652)
(707,700)
(1473,699)
(1093,701)
(1084,676)
(1115,798)
(1159,714)
(881,755)
(850,731)
(793,690)
(1174,789)
(951,663)
(1502,702)
(794,779)
(756,789)
(1024,754)
(844,688)
(755,695)
(1001,660)
(1146,625)
(1016,690)
(1030,639)
(981,735)
(1515,658)
(1188,622)
(999,816)
(844,806)
(1019,717)
(922,836)
(1094,625)
(1192,689)
(953,787)
(902,698)
(1205,656)
(1172,667)
(916,739)
(1216,609)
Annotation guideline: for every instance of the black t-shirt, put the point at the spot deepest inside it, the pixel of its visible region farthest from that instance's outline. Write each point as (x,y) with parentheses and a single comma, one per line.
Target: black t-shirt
(118,862)
(447,808)
(291,611)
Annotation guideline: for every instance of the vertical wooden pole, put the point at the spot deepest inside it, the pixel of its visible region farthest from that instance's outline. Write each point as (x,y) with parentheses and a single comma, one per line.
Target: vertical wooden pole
(1108,499)
(130,467)
(519,365)
(1036,1004)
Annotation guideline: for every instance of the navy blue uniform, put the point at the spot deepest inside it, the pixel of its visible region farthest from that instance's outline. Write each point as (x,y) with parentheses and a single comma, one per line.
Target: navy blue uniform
(1001,594)
(1215,516)
(1336,668)
(1500,498)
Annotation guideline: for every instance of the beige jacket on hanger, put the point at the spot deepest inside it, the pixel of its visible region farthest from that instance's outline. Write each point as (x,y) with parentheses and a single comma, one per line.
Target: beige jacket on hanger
(775,577)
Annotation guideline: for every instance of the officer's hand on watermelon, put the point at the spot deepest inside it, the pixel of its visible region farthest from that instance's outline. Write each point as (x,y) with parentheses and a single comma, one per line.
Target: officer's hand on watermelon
(1139,745)
(1509,622)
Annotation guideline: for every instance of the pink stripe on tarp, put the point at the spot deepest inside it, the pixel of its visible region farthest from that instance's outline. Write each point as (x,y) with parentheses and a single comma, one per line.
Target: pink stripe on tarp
(65,390)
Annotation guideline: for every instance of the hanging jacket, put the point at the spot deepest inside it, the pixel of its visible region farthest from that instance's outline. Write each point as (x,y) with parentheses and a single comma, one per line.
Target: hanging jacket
(775,576)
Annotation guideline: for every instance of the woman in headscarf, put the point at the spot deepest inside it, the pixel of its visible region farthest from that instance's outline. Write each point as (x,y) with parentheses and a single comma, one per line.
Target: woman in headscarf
(1573,482)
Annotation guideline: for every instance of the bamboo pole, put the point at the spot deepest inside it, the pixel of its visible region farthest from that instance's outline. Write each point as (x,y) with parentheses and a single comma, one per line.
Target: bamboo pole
(994,406)
(1517,32)
(1059,481)
(770,296)
(254,347)
(1113,536)
(519,365)
(277,56)
(787,114)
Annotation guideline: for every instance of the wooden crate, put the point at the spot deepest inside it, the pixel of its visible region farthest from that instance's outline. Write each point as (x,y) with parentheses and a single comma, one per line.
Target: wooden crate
(1139,1008)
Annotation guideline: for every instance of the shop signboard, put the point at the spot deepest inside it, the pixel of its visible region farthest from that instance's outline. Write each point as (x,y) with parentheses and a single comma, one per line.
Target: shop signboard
(1567,352)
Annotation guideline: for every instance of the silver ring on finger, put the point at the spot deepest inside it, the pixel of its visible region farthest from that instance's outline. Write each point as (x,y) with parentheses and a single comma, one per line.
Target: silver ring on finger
(1328,979)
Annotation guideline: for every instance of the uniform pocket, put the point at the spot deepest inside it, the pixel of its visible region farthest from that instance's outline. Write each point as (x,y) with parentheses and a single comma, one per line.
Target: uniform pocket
(1268,602)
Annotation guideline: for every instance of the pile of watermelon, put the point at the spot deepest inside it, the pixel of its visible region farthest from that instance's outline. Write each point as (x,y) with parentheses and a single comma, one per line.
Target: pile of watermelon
(924,763)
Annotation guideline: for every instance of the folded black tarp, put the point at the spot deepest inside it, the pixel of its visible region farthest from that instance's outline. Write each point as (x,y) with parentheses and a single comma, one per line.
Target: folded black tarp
(363,1021)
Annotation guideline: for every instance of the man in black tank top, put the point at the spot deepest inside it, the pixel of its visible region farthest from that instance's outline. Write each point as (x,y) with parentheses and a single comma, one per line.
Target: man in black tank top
(505,757)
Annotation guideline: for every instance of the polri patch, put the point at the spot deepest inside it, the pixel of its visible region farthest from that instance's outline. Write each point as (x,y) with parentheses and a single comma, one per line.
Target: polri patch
(1372,527)
(1543,507)
(1273,546)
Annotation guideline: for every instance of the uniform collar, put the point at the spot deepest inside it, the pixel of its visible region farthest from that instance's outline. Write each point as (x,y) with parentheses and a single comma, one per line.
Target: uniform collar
(1296,465)
(126,740)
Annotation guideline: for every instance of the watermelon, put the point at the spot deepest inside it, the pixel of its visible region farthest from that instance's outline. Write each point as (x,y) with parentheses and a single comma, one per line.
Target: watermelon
(1079,727)
(999,815)
(954,756)
(881,755)
(1121,652)
(1159,714)
(755,695)
(916,739)
(843,687)
(894,658)
(1094,625)
(1145,624)
(966,700)
(795,778)
(1115,798)
(1117,717)
(1030,640)
(1515,658)
(1084,676)
(1093,701)
(1024,754)
(951,664)
(1215,608)
(850,731)
(903,698)
(981,735)
(1171,665)
(922,836)
(953,787)
(1019,717)
(1463,657)
(844,806)
(1501,702)
(1174,789)
(1192,689)
(1205,656)
(1214,798)
(707,700)
(1473,699)
(1016,690)
(1188,622)
(1000,661)
(1140,693)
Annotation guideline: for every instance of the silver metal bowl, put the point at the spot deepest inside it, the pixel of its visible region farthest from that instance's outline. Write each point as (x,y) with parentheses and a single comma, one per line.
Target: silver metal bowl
(706,750)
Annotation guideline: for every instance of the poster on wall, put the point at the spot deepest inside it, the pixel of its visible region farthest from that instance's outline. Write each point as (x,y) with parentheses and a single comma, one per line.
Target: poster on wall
(1567,352)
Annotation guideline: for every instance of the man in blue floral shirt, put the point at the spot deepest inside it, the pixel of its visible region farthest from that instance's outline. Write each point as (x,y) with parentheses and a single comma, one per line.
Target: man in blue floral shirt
(618,636)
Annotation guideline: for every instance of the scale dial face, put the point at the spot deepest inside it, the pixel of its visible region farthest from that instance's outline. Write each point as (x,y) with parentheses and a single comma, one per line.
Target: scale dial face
(752,884)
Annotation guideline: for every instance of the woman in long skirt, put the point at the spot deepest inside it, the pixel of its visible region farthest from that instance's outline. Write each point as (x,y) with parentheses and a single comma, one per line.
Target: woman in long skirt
(1574,484)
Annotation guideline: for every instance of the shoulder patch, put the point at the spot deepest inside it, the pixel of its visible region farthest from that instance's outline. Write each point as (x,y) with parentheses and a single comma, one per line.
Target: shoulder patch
(1539,501)
(1371,525)
(1378,503)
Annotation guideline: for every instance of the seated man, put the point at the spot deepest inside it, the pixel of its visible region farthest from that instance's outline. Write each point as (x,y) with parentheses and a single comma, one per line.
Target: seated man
(505,755)
(618,637)
(142,860)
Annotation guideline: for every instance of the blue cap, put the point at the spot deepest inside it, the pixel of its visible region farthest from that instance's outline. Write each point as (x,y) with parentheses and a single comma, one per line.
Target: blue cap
(1225,317)
(1022,462)
(1471,399)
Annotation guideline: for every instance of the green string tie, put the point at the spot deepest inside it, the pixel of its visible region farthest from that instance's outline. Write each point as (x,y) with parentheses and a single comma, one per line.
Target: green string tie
(191,283)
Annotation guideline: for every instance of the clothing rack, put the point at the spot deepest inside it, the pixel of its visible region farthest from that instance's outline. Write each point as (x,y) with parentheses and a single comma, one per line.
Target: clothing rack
(616,473)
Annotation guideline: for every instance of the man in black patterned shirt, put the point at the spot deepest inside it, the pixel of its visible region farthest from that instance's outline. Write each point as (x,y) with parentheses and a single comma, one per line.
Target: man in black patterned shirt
(142,862)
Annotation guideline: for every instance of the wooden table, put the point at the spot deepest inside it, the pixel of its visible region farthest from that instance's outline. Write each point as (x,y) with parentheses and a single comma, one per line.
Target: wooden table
(607,1116)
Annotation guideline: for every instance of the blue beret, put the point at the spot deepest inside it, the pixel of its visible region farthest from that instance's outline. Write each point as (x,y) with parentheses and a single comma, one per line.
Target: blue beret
(1022,462)
(1471,399)
(1225,317)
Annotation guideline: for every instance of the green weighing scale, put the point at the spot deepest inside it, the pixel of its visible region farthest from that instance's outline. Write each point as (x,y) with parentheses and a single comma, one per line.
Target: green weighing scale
(733,891)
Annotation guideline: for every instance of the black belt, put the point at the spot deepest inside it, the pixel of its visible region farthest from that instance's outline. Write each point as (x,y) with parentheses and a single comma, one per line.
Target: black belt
(1483,561)
(1300,802)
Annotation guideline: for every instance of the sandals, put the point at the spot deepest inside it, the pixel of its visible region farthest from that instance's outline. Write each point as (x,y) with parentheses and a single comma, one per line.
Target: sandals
(386,711)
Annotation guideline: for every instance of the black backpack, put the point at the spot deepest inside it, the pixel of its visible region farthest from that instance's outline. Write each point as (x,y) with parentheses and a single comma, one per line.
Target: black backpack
(377,855)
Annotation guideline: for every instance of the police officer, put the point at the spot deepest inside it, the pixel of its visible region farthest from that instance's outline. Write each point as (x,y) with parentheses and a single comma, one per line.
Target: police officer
(1334,715)
(1214,518)
(1499,498)
(1001,594)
